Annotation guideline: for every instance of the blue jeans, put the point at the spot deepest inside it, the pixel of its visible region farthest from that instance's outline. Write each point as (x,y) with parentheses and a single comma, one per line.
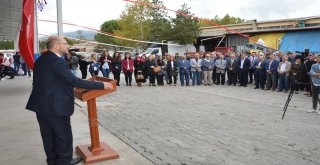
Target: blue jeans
(195,76)
(283,82)
(25,69)
(105,72)
(184,76)
(16,67)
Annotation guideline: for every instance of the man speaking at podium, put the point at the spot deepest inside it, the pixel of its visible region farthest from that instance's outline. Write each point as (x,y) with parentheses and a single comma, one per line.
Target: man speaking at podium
(52,98)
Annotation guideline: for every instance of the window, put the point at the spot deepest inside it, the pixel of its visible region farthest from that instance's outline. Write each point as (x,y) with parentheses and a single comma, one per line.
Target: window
(312,25)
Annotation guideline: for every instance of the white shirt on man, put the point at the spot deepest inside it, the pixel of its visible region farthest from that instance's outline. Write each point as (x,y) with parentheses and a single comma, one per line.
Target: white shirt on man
(241,65)
(283,67)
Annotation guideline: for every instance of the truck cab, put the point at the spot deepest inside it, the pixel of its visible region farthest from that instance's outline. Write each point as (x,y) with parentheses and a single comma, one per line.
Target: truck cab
(156,51)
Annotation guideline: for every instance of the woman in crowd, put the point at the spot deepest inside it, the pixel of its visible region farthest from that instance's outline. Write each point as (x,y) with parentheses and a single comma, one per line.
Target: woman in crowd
(164,71)
(150,65)
(73,62)
(116,67)
(172,67)
(145,69)
(83,63)
(94,65)
(159,75)
(127,67)
(306,78)
(104,64)
(296,75)
(138,70)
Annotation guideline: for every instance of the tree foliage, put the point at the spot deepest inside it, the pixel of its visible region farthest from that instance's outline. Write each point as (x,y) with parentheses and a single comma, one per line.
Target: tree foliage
(227,19)
(6,44)
(135,23)
(107,26)
(160,24)
(184,28)
(70,42)
(142,22)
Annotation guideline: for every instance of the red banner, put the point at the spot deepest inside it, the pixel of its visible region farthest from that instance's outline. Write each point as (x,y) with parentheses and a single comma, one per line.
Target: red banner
(26,38)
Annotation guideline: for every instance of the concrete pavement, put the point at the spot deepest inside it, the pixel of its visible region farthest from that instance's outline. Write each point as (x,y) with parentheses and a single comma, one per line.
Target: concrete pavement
(213,125)
(223,125)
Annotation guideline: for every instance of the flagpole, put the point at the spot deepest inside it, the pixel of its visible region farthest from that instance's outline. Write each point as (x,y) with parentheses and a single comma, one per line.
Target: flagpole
(59,18)
(36,38)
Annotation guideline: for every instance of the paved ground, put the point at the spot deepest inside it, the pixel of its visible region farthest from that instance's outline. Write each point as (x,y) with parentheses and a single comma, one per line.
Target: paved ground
(212,125)
(175,125)
(20,140)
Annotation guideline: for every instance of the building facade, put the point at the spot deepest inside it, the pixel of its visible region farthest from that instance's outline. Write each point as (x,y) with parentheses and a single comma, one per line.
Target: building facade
(286,35)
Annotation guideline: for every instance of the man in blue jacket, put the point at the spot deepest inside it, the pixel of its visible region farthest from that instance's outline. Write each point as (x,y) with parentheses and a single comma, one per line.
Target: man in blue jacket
(272,66)
(52,99)
(184,66)
(260,72)
(243,68)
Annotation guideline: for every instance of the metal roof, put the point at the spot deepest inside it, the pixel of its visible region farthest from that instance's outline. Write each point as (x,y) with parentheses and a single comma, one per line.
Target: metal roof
(275,30)
(249,22)
(10,19)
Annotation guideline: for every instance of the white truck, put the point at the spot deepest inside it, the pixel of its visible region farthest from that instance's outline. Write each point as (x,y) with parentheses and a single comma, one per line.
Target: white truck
(171,48)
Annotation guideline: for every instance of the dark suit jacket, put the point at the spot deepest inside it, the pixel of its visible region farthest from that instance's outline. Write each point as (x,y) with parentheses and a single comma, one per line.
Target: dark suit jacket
(173,71)
(246,64)
(263,66)
(234,65)
(182,65)
(273,67)
(53,84)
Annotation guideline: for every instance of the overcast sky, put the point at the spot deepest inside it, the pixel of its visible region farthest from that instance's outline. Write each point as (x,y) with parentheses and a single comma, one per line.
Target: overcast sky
(94,12)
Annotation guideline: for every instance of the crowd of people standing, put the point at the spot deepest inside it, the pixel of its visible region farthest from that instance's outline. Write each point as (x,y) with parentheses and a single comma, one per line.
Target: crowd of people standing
(267,71)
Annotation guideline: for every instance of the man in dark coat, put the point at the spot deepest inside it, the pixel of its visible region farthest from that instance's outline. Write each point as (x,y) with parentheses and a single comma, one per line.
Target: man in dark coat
(243,68)
(260,71)
(272,72)
(16,61)
(52,99)
(232,69)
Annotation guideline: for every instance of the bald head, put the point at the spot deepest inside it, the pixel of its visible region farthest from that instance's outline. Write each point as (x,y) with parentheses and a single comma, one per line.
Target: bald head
(196,56)
(57,45)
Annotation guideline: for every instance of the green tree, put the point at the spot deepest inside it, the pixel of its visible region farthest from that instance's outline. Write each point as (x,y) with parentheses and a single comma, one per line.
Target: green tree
(42,45)
(107,26)
(227,19)
(184,28)
(70,42)
(160,25)
(135,23)
(6,44)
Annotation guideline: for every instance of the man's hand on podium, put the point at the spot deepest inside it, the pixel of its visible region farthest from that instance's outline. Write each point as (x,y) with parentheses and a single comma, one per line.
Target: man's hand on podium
(107,85)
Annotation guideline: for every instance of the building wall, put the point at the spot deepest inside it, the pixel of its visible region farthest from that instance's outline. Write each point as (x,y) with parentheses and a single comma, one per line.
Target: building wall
(264,25)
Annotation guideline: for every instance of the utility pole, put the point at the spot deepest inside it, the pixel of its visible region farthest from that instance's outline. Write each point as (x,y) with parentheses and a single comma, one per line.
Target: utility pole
(59,18)
(36,37)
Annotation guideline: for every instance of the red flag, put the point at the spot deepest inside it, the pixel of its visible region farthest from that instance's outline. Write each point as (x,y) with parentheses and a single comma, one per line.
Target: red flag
(26,38)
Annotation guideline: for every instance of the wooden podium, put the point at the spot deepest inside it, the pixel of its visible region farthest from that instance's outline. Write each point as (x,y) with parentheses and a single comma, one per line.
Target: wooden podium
(97,151)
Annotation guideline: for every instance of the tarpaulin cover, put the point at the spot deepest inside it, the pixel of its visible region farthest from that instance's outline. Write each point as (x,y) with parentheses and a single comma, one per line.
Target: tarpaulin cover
(269,39)
(299,41)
